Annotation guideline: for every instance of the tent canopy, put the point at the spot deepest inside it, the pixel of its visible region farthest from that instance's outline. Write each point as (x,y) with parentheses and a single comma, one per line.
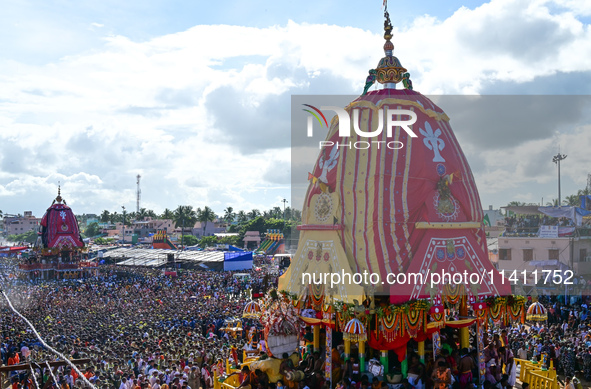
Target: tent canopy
(523,209)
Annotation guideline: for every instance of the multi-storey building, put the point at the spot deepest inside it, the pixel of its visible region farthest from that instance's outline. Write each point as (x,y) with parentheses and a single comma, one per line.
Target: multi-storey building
(16,224)
(144,228)
(533,244)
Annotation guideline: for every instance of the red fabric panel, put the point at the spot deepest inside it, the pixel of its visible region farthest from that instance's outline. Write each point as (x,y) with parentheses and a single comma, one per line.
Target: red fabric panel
(399,344)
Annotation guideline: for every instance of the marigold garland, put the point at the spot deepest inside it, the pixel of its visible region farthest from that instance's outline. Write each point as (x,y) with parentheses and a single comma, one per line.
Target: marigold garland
(453,293)
(413,320)
(437,317)
(409,318)
(515,311)
(390,325)
(496,312)
(316,297)
(481,314)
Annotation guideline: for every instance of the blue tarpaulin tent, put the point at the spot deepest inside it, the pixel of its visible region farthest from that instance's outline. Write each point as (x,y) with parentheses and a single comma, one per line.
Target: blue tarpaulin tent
(238,260)
(573,213)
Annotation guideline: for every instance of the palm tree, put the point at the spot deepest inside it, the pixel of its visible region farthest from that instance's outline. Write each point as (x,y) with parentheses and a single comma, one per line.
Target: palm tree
(254,214)
(151,213)
(114,217)
(184,215)
(242,217)
(229,215)
(296,215)
(572,201)
(141,215)
(277,213)
(167,214)
(105,216)
(206,215)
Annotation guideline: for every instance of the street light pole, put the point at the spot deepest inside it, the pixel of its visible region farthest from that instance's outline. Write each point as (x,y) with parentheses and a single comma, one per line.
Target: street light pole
(123,228)
(556,159)
(284,201)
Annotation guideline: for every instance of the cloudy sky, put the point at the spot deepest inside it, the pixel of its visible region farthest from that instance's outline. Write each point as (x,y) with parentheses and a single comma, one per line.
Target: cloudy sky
(195,96)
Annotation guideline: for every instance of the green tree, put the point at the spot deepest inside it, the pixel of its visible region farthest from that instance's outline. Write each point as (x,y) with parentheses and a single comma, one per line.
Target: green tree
(141,215)
(296,215)
(277,213)
(231,240)
(229,215)
(257,224)
(105,216)
(114,218)
(190,240)
(28,237)
(103,241)
(92,229)
(254,214)
(208,241)
(205,215)
(242,217)
(184,216)
(124,217)
(167,214)
(572,201)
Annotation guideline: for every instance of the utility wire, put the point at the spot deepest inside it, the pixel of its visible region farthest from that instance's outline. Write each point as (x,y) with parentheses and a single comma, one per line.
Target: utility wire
(34,375)
(52,375)
(45,344)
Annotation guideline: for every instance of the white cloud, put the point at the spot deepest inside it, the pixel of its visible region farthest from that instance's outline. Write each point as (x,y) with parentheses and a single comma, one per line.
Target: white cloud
(166,107)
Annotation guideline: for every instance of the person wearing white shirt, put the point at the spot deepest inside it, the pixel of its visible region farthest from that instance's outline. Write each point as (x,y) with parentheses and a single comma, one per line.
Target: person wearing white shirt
(154,377)
(123,383)
(25,352)
(522,352)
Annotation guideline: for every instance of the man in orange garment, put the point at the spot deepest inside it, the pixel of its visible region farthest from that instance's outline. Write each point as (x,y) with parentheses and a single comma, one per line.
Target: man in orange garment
(13,359)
